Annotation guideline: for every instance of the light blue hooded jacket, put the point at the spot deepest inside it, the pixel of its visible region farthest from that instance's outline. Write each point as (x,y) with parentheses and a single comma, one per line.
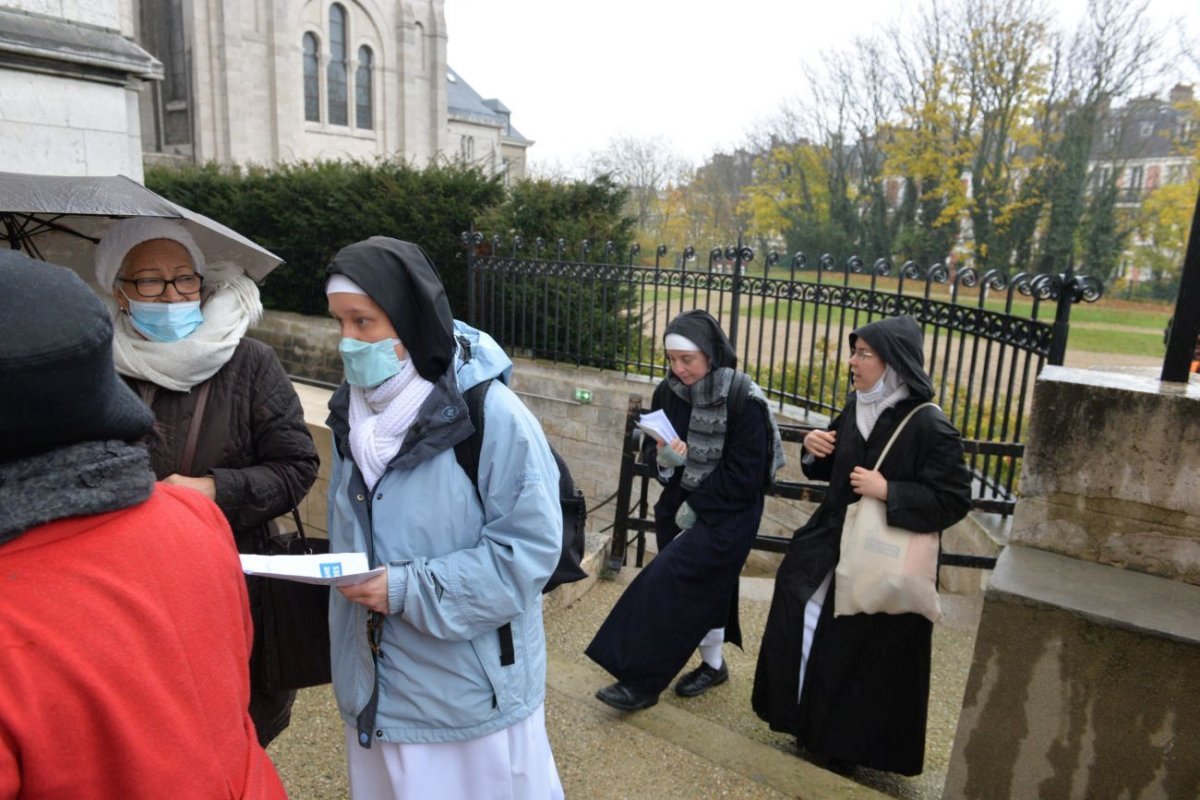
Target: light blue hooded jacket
(457,570)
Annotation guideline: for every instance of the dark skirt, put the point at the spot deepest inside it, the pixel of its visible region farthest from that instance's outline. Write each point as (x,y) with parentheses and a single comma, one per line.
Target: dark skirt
(866,688)
(687,590)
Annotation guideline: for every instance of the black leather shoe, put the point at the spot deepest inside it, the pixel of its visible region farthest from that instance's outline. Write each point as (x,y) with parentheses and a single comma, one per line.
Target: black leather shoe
(701,679)
(623,697)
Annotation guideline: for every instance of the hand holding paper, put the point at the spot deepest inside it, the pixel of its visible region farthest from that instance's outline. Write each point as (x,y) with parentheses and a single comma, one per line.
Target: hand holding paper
(657,425)
(332,569)
(668,458)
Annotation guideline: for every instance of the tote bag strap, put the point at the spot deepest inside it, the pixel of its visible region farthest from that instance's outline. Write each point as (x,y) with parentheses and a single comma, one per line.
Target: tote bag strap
(193,434)
(896,432)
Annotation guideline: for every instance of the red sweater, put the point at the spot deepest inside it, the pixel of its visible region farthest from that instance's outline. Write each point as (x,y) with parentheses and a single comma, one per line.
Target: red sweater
(124,648)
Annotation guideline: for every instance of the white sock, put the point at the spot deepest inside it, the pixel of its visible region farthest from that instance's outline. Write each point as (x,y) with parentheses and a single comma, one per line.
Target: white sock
(710,647)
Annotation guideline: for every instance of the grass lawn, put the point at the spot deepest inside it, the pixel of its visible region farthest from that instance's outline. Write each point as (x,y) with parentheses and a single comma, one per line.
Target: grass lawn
(1107,340)
(1151,316)
(1108,326)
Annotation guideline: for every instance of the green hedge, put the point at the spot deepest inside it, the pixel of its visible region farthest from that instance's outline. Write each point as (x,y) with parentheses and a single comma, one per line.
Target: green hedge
(306,212)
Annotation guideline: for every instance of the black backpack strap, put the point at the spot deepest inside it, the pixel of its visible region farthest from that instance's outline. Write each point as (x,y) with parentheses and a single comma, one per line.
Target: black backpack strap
(467,451)
(739,390)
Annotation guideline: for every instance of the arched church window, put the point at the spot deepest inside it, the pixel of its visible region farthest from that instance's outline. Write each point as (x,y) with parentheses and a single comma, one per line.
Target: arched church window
(362,89)
(335,74)
(312,84)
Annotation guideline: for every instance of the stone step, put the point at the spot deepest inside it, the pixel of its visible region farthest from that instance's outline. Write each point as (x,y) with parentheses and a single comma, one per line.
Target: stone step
(603,750)
(647,753)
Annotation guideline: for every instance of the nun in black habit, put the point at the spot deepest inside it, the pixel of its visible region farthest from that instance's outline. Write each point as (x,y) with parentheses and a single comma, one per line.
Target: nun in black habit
(705,522)
(854,690)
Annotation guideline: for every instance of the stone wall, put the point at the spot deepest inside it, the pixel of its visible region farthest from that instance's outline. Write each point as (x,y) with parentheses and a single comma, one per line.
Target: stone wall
(1083,685)
(1112,472)
(1087,658)
(69,87)
(247,81)
(306,346)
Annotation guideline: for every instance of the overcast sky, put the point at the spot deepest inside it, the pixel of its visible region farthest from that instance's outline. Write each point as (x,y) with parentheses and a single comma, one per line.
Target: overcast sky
(700,74)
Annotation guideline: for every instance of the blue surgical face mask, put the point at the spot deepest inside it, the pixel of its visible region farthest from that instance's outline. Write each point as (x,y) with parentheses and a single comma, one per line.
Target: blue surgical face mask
(166,322)
(369,363)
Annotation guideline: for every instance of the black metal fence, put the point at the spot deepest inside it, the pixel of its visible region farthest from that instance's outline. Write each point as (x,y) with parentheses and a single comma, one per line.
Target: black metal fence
(986,336)
(634,515)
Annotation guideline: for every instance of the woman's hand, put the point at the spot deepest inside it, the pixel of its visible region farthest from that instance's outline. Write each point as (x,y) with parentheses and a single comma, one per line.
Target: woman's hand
(673,456)
(820,443)
(372,593)
(869,483)
(205,486)
(685,517)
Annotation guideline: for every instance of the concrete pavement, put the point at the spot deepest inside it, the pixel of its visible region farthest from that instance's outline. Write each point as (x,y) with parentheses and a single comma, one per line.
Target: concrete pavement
(711,746)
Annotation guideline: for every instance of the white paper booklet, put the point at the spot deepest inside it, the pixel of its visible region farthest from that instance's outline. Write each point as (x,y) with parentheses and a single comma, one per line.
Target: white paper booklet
(333,569)
(657,425)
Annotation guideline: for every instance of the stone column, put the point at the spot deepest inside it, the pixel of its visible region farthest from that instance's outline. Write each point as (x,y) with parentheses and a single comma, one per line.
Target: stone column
(1086,676)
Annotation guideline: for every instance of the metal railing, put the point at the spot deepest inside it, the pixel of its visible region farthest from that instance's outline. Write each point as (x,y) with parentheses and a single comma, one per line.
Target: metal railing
(634,514)
(986,336)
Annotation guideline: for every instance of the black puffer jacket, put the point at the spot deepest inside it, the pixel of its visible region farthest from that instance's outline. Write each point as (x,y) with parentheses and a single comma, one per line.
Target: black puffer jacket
(255,445)
(253,440)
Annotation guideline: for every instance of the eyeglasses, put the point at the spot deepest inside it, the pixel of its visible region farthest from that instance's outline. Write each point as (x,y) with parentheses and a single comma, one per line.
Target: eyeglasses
(862,355)
(154,287)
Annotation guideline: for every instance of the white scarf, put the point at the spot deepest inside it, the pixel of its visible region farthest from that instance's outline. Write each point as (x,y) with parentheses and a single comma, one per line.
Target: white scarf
(887,392)
(232,308)
(380,418)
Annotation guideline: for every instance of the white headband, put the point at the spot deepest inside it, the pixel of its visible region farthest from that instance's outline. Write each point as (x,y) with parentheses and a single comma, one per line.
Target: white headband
(674,341)
(127,234)
(339,283)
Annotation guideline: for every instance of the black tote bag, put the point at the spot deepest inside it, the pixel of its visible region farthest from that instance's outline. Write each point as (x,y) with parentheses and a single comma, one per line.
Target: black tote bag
(291,648)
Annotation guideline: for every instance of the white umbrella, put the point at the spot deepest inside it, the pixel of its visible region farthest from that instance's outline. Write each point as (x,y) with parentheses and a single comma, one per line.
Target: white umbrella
(61,219)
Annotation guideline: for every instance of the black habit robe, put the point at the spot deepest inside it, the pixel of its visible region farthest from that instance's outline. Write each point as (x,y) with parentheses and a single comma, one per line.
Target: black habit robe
(866,688)
(691,586)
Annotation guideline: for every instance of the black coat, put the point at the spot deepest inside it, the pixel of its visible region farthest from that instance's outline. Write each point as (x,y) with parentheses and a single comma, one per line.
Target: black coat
(253,440)
(255,445)
(866,688)
(691,586)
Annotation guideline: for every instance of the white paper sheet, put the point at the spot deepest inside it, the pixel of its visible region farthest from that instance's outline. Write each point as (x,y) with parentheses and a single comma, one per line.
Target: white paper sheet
(657,425)
(332,569)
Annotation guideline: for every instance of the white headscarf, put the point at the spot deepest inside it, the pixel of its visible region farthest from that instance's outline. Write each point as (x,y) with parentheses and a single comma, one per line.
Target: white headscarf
(127,234)
(231,306)
(675,341)
(889,390)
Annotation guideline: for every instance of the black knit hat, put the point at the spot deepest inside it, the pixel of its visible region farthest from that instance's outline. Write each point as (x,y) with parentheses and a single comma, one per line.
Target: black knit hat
(401,278)
(59,384)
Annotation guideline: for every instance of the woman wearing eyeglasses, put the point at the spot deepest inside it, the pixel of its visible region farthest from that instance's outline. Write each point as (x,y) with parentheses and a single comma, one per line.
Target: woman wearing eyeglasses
(179,336)
(854,689)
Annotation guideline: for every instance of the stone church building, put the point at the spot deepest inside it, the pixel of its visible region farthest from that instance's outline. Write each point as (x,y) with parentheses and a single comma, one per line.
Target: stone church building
(248,81)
